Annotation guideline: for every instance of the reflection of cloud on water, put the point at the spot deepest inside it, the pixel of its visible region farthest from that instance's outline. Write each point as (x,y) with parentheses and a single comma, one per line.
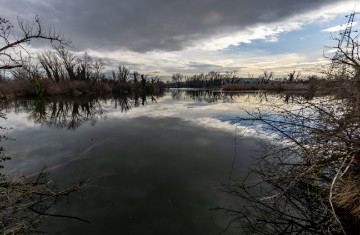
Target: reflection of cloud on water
(205,116)
(219,115)
(213,123)
(17,122)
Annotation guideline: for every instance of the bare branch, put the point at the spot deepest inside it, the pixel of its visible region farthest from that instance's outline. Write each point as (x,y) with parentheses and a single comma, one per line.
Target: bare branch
(13,44)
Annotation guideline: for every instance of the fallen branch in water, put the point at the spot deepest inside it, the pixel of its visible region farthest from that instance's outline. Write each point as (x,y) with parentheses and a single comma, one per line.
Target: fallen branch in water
(25,204)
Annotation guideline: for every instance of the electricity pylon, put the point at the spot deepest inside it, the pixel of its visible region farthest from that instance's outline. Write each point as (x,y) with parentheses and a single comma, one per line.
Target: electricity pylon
(344,46)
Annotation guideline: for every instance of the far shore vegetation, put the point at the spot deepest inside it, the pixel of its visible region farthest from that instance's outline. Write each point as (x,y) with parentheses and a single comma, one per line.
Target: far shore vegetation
(59,72)
(292,83)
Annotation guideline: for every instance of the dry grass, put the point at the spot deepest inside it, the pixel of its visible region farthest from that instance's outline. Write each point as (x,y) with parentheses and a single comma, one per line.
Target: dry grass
(347,197)
(268,87)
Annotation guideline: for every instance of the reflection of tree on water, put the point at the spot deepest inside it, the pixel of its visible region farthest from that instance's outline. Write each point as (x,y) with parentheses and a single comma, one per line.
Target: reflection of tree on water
(59,113)
(72,113)
(210,96)
(65,113)
(126,103)
(123,102)
(207,96)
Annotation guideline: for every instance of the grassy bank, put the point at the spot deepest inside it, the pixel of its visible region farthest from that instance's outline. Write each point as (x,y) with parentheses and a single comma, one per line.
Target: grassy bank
(319,87)
(267,87)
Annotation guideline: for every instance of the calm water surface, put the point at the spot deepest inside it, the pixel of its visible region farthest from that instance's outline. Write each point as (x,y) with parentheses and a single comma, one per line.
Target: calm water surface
(155,163)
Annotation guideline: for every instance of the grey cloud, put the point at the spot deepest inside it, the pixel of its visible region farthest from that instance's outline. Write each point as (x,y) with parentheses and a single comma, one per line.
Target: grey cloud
(147,25)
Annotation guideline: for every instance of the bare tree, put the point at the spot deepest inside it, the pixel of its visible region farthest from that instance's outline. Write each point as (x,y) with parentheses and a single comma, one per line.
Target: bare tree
(52,65)
(136,78)
(12,44)
(265,78)
(68,60)
(98,67)
(292,77)
(28,71)
(123,74)
(306,178)
(84,70)
(177,78)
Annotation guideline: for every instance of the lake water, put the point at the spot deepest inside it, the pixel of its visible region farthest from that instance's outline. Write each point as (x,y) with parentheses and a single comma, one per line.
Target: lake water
(155,163)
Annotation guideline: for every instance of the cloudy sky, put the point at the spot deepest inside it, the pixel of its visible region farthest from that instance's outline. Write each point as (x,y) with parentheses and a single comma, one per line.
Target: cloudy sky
(162,37)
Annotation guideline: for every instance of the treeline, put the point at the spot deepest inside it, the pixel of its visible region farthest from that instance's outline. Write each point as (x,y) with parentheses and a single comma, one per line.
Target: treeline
(202,80)
(58,71)
(230,80)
